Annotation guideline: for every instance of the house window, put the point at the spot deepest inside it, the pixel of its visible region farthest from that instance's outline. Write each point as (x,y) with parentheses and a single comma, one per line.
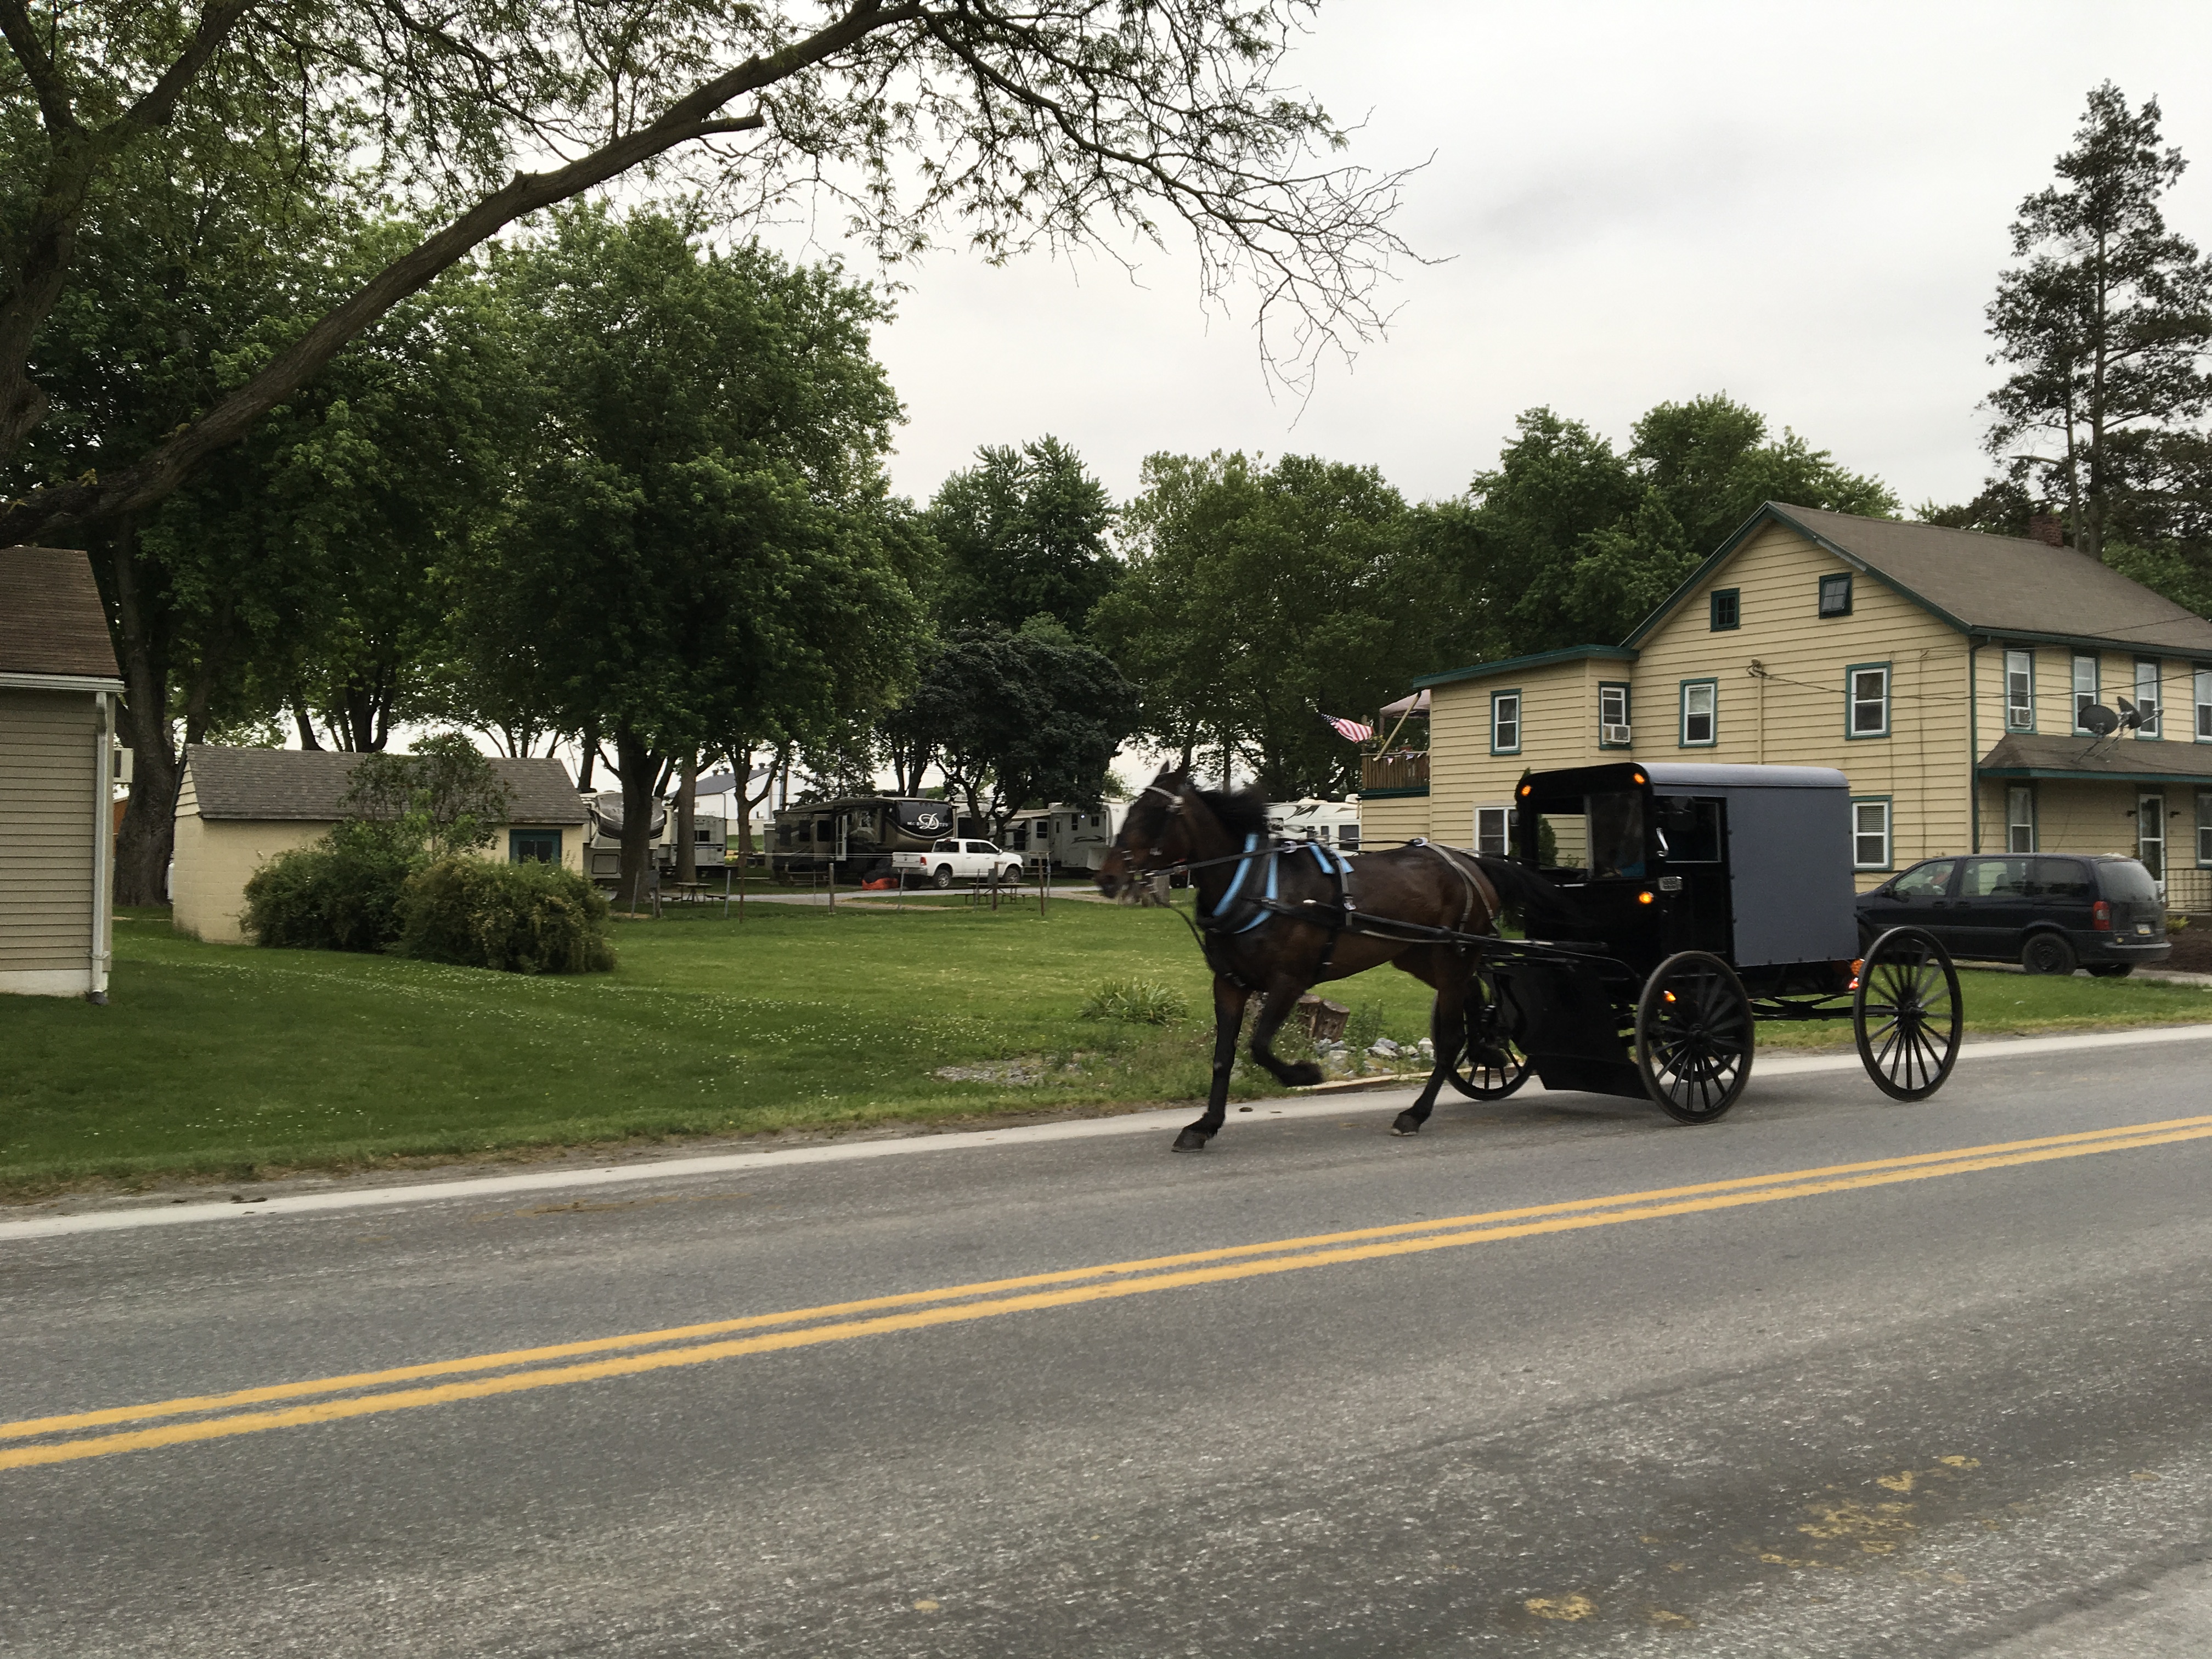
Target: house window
(1836,594)
(2085,688)
(2204,829)
(1868,688)
(1870,833)
(1728,608)
(1493,831)
(2150,834)
(1700,720)
(2019,690)
(2019,819)
(533,847)
(2148,702)
(2204,705)
(1505,722)
(1612,728)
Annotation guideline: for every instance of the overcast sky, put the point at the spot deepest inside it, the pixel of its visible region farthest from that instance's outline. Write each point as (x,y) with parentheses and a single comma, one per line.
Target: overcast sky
(1805,207)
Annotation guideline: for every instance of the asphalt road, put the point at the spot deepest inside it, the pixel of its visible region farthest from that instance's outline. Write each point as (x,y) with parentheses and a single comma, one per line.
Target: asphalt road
(1916,1403)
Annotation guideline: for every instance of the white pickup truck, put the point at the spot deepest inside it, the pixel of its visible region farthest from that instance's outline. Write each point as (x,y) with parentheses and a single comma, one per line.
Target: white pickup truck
(949,861)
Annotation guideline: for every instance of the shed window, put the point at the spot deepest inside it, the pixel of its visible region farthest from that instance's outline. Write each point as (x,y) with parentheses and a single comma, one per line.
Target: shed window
(2085,688)
(1836,594)
(2019,819)
(1870,835)
(1700,724)
(1728,608)
(1492,827)
(1504,722)
(1870,700)
(533,846)
(2149,703)
(2019,691)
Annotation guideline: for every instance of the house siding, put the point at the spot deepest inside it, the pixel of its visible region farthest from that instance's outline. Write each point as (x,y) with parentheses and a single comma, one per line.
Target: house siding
(1559,727)
(1796,716)
(49,780)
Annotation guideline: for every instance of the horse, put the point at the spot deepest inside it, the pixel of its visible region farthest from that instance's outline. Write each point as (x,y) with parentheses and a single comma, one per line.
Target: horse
(1276,918)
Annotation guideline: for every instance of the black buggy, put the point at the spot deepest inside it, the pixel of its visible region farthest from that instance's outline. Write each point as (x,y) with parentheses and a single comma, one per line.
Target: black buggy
(1696,901)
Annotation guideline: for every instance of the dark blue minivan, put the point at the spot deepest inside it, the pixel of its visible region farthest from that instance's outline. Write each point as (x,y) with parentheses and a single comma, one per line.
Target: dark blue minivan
(2050,912)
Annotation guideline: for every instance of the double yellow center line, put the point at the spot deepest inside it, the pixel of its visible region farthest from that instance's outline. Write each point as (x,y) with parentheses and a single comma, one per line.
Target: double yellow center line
(64,1438)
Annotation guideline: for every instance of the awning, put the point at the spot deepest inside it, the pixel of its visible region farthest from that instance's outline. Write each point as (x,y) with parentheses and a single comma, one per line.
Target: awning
(2124,758)
(1415,704)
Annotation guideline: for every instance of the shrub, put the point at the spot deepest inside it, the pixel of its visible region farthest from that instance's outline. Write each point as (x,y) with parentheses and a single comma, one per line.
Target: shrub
(1140,1001)
(1364,1026)
(519,918)
(340,894)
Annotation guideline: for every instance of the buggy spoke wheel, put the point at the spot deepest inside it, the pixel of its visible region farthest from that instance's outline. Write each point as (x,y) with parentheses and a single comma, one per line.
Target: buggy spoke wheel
(1693,1037)
(1491,1065)
(1907,1014)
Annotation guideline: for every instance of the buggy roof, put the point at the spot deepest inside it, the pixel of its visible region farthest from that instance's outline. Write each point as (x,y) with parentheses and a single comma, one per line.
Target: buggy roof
(1679,774)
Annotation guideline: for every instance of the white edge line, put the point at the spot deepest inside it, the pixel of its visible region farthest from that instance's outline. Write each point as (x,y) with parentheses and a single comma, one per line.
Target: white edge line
(1391,1100)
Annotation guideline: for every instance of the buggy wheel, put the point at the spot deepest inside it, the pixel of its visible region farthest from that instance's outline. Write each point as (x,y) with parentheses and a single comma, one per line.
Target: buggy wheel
(1907,1014)
(1490,1064)
(1693,1037)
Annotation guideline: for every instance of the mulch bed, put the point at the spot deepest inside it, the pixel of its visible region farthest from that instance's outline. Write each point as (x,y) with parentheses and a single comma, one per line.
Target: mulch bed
(2192,948)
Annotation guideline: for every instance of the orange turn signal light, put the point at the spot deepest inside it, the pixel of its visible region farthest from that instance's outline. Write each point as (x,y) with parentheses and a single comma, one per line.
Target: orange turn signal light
(1669,996)
(1645,898)
(1637,777)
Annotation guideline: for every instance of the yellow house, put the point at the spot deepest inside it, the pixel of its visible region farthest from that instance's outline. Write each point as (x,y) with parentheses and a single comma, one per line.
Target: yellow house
(57,694)
(1957,679)
(239,808)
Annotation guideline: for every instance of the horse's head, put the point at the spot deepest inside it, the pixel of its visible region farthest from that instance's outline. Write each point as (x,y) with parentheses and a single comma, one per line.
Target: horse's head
(1155,837)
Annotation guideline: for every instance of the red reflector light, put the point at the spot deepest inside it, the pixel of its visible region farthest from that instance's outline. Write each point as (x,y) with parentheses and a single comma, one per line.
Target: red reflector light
(2100,916)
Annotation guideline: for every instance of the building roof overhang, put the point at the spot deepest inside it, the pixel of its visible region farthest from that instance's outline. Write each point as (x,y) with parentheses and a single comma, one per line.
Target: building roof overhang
(1538,659)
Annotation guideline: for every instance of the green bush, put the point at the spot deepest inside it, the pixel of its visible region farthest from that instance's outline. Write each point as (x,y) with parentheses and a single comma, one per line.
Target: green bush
(1140,1001)
(340,894)
(519,918)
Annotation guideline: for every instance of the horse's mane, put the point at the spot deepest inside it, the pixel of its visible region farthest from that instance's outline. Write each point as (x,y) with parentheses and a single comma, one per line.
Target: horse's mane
(1244,813)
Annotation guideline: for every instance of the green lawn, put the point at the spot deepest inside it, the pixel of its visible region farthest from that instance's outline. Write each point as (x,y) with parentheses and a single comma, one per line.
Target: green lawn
(230,1060)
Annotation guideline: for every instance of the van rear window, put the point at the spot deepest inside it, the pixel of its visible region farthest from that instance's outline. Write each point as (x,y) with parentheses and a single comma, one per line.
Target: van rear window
(2123,878)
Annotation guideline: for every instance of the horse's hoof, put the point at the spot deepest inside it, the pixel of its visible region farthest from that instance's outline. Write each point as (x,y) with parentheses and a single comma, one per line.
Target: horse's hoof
(1303,1074)
(1190,1140)
(1406,1124)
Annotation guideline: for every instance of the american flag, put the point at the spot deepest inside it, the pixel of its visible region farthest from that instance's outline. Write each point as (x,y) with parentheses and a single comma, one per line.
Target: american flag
(1350,731)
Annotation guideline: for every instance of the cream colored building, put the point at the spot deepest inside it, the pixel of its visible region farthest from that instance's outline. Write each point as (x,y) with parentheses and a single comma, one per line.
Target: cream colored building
(1943,672)
(57,691)
(239,808)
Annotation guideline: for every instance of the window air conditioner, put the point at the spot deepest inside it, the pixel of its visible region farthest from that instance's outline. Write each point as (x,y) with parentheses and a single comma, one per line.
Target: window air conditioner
(1612,733)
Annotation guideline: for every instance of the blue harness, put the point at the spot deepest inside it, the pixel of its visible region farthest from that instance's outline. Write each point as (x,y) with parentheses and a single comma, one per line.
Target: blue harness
(1333,864)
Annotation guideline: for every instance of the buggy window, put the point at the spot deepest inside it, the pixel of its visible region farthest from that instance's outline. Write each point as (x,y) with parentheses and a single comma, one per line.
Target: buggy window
(1616,835)
(1689,830)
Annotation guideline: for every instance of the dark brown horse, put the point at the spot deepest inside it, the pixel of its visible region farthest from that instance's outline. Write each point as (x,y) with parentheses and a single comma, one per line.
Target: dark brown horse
(1275,920)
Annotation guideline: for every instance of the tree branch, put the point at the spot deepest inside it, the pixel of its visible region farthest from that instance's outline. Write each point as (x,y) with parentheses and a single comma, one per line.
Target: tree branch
(39,68)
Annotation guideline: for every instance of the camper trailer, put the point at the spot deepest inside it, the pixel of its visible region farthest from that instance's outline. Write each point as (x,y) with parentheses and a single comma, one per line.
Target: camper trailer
(1069,837)
(855,836)
(1332,822)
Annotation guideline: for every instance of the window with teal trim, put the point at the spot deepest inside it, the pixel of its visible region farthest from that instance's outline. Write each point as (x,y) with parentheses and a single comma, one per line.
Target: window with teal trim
(533,846)
(1504,722)
(1700,714)
(1726,609)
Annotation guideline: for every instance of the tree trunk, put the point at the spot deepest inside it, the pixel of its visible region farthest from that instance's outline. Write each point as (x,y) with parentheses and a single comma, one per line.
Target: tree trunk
(149,823)
(687,819)
(641,771)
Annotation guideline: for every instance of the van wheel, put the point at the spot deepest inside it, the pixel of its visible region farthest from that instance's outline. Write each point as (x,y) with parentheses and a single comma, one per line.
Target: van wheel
(2112,969)
(2047,953)
(943,877)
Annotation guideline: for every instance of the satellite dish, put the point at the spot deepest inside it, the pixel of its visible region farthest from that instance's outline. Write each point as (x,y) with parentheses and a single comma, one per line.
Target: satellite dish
(2130,716)
(2099,719)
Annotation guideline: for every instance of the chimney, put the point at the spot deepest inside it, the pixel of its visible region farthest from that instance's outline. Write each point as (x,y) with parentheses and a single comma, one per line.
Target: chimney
(2045,527)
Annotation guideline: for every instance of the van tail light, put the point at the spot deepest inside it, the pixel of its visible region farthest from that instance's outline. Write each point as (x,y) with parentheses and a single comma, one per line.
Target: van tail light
(2100,916)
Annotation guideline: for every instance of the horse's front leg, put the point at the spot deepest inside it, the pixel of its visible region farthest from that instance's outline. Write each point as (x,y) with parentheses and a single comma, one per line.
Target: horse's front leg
(1448,1031)
(1228,1018)
(1282,997)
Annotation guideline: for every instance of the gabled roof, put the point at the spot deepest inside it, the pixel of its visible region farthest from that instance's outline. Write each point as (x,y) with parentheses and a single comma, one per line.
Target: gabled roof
(1997,585)
(2126,759)
(1538,659)
(52,625)
(310,785)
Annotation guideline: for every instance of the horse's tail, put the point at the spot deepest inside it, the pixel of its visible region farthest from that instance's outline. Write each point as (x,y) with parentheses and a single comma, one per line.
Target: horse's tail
(1522,889)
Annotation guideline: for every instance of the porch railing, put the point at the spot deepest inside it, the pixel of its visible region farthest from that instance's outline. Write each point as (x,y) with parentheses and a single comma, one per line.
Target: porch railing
(1402,770)
(2188,888)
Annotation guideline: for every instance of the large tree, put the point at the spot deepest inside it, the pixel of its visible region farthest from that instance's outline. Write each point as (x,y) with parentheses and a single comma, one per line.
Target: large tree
(1019,121)
(700,543)
(1256,600)
(2104,328)
(1022,533)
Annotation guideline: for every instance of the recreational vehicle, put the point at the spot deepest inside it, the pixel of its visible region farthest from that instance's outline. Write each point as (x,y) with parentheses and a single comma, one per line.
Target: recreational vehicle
(855,836)
(1332,822)
(1071,837)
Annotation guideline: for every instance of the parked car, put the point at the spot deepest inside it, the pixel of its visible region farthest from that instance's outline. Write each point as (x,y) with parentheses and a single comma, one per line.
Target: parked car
(2050,912)
(949,861)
